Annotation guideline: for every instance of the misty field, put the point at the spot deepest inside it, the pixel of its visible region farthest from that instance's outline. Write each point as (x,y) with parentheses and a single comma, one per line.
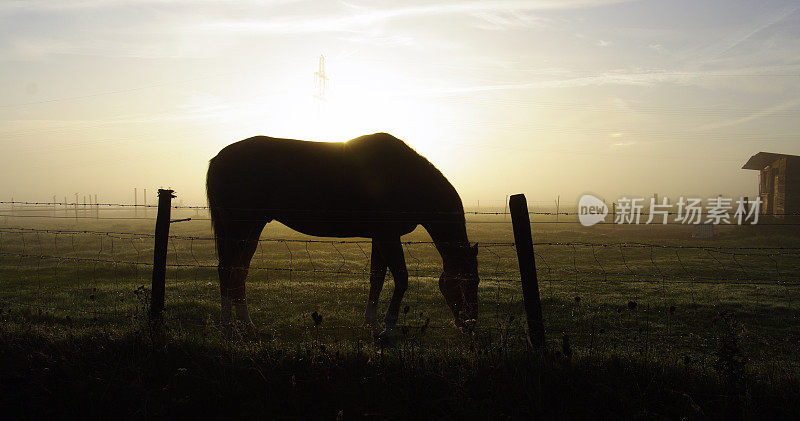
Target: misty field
(641,321)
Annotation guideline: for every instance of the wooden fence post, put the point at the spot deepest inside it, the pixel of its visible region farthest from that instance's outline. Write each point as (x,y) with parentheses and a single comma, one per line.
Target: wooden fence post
(558,206)
(614,212)
(160,255)
(527,268)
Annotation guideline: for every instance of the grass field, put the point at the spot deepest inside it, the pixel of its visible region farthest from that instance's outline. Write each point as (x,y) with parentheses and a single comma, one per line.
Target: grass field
(641,321)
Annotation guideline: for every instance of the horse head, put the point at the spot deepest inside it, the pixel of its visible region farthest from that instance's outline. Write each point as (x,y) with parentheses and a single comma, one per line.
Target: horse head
(459,285)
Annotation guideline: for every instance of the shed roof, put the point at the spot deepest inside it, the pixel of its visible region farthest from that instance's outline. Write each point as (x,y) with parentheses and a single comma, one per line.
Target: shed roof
(762,159)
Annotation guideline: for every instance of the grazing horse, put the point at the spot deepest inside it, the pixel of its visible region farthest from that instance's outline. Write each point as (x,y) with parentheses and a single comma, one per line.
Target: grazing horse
(373,186)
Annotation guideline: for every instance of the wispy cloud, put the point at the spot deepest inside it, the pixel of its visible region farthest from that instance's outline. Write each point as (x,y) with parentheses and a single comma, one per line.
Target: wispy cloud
(381,40)
(359,17)
(59,5)
(184,28)
(766,112)
(623,78)
(597,41)
(756,28)
(508,19)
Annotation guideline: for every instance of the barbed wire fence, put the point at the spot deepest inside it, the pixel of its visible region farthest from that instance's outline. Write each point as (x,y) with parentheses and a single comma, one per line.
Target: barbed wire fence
(662,294)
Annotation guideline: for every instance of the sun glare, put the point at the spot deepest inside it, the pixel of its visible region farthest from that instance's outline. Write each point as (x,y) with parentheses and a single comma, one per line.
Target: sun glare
(358,100)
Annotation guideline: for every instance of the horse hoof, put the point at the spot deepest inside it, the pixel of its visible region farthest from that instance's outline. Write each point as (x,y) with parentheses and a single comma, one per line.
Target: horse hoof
(468,326)
(250,333)
(232,334)
(386,338)
(242,333)
(374,328)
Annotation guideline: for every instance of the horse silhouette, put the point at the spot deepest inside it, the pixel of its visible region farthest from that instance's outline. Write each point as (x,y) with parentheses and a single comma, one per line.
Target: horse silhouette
(373,186)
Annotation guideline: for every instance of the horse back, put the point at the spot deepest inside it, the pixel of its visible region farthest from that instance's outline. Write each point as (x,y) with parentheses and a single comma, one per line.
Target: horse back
(374,182)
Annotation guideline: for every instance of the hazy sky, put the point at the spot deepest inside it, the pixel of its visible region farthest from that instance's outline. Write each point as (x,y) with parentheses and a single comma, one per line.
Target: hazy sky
(548,97)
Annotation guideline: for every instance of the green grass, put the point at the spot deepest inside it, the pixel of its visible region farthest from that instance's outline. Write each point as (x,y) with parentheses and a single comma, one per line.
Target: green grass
(712,334)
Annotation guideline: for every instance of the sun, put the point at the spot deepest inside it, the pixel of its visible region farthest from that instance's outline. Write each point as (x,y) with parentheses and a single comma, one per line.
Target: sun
(360,100)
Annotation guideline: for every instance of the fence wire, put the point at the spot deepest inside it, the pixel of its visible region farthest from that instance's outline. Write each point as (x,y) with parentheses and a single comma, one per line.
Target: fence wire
(80,211)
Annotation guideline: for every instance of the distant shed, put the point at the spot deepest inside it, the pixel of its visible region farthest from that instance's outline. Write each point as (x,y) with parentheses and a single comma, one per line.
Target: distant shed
(779,182)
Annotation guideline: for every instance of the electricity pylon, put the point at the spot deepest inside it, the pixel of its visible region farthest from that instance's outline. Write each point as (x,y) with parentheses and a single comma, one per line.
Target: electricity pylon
(320,79)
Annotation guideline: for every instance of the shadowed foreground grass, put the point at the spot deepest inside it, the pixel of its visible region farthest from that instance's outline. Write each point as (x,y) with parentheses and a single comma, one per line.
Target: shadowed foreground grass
(65,368)
(96,377)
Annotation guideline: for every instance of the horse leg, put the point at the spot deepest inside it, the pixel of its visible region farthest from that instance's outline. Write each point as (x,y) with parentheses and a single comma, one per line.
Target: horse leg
(236,249)
(392,252)
(377,274)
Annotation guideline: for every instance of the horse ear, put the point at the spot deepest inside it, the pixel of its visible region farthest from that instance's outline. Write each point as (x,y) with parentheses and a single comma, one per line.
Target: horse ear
(475,249)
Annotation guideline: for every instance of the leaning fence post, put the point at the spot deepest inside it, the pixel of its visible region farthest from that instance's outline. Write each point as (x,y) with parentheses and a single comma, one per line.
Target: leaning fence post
(160,254)
(527,268)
